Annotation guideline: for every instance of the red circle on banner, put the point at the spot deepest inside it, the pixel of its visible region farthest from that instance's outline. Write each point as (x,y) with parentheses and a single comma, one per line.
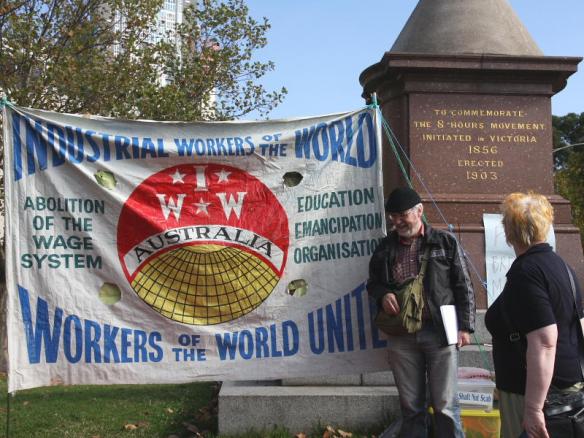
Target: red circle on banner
(181,231)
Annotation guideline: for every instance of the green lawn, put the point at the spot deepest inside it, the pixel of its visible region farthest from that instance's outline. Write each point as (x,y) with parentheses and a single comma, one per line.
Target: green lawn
(110,411)
(168,411)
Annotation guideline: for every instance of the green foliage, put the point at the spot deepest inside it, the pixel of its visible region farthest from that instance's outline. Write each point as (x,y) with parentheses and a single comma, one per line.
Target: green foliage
(569,177)
(568,129)
(58,55)
(216,67)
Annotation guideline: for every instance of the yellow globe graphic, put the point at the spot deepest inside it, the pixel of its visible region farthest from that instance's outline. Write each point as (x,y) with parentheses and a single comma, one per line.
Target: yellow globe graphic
(205,284)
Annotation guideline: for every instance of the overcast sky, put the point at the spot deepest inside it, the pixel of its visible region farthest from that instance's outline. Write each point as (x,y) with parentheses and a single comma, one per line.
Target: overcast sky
(321,46)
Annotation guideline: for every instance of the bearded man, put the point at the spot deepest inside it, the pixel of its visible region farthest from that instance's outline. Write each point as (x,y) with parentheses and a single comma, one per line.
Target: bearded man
(423,360)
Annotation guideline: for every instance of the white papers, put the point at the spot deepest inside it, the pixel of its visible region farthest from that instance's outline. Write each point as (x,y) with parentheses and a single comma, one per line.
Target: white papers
(450,323)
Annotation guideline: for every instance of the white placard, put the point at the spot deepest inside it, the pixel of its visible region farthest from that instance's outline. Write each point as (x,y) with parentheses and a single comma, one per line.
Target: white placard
(499,255)
(475,398)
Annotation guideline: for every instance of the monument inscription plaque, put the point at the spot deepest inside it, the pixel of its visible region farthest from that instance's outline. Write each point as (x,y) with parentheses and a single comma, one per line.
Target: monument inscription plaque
(482,143)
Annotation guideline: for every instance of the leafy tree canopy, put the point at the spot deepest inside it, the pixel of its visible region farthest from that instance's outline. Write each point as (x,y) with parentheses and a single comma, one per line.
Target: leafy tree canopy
(59,55)
(96,57)
(569,130)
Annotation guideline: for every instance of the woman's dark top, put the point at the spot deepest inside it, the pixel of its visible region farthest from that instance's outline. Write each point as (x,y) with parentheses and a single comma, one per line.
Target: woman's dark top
(537,294)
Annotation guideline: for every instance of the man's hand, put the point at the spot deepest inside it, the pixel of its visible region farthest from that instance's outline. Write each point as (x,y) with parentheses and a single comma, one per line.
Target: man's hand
(463,338)
(390,305)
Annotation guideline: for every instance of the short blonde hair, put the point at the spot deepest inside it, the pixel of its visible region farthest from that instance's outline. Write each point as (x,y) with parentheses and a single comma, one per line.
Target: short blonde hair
(527,218)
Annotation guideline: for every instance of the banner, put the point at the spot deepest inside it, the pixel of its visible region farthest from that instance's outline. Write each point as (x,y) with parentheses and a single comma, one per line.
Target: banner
(159,252)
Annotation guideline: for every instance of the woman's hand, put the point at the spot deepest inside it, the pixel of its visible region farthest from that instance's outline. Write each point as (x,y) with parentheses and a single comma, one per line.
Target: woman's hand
(534,423)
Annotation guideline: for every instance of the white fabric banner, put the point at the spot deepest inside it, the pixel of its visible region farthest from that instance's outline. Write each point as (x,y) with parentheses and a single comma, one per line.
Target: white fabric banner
(151,252)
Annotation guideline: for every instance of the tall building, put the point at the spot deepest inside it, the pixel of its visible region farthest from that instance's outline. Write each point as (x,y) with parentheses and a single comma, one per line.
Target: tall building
(167,19)
(164,29)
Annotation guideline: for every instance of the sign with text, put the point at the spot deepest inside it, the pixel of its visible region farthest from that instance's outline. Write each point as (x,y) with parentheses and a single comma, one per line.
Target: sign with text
(150,252)
(499,255)
(483,143)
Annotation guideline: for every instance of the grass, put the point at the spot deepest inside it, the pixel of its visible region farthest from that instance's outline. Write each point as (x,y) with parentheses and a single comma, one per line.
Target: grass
(128,411)
(110,411)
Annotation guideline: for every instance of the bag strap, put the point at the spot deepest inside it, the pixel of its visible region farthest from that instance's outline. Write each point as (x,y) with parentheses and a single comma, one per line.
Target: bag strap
(425,258)
(576,307)
(423,266)
(573,286)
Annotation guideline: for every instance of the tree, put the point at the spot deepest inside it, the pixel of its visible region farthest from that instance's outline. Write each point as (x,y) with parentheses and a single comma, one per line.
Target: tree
(569,162)
(568,130)
(57,54)
(215,63)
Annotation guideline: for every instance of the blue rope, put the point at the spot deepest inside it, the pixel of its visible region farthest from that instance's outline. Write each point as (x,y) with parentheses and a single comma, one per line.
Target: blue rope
(373,104)
(4,101)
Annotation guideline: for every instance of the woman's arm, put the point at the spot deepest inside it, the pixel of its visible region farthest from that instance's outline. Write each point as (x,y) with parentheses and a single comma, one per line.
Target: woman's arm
(541,353)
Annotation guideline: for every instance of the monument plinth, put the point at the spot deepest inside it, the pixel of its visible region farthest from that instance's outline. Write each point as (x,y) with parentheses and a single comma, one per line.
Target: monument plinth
(474,118)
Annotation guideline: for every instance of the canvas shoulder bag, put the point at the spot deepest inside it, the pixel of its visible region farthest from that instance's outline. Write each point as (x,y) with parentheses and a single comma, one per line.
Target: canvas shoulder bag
(411,303)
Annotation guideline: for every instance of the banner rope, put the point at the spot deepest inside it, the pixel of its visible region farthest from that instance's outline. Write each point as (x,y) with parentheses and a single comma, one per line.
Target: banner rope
(391,137)
(567,147)
(4,101)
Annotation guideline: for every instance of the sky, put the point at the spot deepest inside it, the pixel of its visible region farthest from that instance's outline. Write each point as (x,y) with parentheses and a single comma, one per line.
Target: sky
(320,47)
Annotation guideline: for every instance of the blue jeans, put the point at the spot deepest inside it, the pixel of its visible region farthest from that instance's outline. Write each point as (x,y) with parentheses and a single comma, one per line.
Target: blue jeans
(417,358)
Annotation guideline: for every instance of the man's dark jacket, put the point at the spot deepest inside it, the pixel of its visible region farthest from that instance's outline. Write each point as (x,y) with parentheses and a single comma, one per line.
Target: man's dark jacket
(446,281)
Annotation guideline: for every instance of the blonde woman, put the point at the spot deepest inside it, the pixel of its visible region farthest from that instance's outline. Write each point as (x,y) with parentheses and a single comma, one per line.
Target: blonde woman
(534,324)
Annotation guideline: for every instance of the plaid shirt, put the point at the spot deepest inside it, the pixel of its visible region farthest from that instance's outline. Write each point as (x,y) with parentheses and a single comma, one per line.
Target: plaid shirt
(407,260)
(407,265)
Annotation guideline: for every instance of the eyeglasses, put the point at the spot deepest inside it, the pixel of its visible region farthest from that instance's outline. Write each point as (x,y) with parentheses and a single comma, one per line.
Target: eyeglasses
(402,215)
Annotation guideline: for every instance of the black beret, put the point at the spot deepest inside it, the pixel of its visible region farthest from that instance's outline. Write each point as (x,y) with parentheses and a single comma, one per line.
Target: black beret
(402,199)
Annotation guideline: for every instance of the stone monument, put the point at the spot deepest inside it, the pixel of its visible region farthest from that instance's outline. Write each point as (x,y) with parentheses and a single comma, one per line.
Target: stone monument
(468,94)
